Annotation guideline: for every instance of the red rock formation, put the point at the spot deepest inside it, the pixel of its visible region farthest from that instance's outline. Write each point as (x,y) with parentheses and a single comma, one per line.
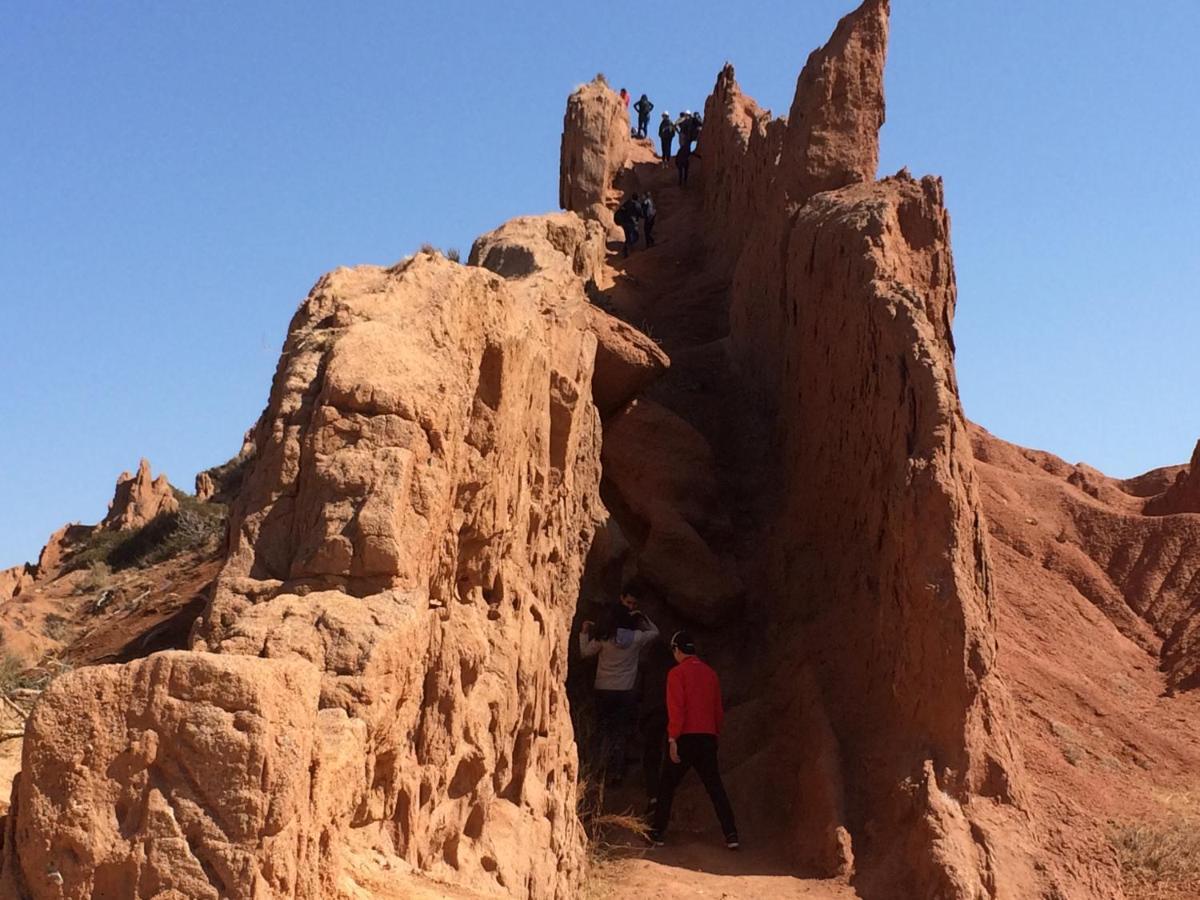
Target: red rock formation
(877,558)
(138,499)
(832,136)
(595,146)
(740,157)
(205,487)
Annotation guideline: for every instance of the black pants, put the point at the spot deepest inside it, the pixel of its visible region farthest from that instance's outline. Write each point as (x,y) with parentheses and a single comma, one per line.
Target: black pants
(648,226)
(631,237)
(666,148)
(616,715)
(654,750)
(682,163)
(643,124)
(698,751)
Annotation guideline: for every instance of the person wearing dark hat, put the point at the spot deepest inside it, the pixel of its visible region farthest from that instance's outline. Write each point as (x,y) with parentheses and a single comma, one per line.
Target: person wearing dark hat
(694,716)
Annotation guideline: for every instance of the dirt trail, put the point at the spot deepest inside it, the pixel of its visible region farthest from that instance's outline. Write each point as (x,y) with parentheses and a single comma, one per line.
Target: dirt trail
(668,292)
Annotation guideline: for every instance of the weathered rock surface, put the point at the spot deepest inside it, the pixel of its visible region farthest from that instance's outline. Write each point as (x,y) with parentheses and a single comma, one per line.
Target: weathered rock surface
(138,499)
(529,244)
(551,255)
(182,775)
(406,549)
(595,146)
(662,470)
(1141,570)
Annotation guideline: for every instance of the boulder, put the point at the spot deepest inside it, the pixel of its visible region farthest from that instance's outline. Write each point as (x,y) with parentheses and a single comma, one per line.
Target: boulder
(138,499)
(529,244)
(183,772)
(205,486)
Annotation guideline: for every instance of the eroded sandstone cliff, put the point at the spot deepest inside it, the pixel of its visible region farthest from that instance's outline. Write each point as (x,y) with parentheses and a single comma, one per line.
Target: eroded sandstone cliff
(381,668)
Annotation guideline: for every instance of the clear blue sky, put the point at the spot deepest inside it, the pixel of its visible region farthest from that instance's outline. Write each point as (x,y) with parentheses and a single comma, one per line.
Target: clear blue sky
(174,177)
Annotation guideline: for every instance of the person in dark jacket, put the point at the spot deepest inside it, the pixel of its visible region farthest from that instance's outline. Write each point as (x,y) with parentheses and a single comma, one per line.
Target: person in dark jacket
(666,134)
(688,128)
(694,717)
(683,157)
(642,108)
(648,214)
(627,216)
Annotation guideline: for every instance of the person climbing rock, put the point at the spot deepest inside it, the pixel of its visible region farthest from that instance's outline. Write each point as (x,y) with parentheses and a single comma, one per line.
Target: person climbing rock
(688,128)
(617,640)
(642,108)
(683,157)
(666,134)
(649,211)
(694,716)
(627,216)
(624,95)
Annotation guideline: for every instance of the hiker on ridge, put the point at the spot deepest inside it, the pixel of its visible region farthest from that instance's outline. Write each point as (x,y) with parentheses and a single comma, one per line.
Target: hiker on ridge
(649,213)
(666,134)
(688,127)
(694,716)
(642,108)
(683,157)
(627,216)
(617,640)
(624,95)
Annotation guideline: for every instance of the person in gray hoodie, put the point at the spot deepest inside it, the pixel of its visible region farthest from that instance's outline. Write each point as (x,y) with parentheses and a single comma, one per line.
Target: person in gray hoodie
(617,641)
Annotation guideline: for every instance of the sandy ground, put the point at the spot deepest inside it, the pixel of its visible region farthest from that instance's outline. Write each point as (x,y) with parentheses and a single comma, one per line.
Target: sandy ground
(699,866)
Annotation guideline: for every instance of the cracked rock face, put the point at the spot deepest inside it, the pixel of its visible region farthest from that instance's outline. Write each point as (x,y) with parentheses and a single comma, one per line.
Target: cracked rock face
(381,669)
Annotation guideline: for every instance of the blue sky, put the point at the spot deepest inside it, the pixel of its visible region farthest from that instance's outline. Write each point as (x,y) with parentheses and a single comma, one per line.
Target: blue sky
(174,177)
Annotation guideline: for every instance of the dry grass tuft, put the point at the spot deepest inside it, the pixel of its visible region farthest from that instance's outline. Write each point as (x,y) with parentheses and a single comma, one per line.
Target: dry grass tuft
(1160,858)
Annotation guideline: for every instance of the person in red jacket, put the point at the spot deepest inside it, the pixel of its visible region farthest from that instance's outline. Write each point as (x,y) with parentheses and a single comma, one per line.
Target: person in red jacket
(694,716)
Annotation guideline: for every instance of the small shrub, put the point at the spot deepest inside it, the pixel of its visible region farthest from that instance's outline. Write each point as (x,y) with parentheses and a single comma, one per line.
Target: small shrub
(96,549)
(453,255)
(1161,857)
(98,577)
(13,673)
(54,626)
(192,526)
(429,250)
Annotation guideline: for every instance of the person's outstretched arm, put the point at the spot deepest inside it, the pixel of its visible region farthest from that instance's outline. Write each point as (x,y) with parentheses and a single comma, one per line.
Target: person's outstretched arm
(587,647)
(647,633)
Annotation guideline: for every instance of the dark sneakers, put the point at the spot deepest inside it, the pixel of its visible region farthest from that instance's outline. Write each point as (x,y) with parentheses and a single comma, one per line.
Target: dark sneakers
(654,839)
(731,841)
